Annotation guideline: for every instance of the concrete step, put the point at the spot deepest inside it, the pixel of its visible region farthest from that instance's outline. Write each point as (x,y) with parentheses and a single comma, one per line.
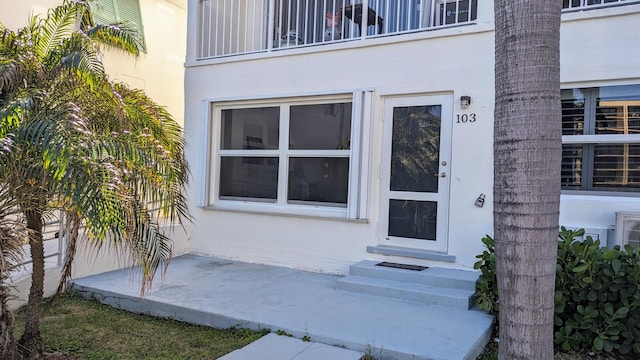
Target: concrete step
(426,294)
(432,286)
(435,276)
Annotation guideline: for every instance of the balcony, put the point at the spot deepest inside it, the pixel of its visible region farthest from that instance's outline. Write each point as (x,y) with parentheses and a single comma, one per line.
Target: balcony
(233,27)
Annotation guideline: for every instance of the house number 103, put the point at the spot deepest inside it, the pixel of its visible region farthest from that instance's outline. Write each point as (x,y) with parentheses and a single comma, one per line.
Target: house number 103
(465,118)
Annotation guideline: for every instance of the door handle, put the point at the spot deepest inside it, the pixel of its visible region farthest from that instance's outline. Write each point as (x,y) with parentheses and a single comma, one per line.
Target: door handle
(442,174)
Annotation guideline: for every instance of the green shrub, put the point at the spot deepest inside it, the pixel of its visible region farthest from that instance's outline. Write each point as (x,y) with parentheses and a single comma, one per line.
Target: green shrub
(597,297)
(487,285)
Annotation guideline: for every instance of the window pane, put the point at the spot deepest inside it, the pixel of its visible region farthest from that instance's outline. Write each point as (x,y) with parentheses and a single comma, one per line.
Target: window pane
(250,128)
(572,112)
(618,116)
(320,127)
(415,148)
(413,219)
(572,167)
(249,177)
(616,167)
(318,180)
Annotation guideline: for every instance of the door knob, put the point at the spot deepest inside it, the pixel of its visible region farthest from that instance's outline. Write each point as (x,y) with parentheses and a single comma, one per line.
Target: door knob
(442,174)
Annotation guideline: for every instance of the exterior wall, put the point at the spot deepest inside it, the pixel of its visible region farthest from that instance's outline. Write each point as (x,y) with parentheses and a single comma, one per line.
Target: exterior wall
(159,72)
(596,50)
(450,61)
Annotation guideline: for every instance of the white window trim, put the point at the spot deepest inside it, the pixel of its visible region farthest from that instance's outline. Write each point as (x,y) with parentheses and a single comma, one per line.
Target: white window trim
(358,154)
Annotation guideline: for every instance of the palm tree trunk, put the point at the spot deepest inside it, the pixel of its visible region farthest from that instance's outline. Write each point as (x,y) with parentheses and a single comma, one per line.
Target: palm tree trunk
(31,345)
(527,160)
(70,232)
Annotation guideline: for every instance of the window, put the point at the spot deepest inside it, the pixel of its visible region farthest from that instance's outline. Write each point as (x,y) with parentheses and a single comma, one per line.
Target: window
(291,156)
(119,11)
(601,139)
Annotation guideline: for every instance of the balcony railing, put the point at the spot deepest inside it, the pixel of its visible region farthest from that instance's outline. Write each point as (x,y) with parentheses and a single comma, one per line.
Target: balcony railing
(230,27)
(584,4)
(54,247)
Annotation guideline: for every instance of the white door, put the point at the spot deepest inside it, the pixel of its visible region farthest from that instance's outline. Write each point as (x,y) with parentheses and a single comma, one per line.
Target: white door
(415,172)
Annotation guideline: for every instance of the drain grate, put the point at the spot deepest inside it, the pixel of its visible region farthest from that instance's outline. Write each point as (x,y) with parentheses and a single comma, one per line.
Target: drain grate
(402,266)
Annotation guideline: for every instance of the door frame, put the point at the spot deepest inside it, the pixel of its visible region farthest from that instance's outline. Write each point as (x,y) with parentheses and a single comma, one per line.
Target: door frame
(441,197)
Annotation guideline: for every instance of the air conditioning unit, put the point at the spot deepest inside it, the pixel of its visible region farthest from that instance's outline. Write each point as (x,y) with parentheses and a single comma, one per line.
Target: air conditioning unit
(627,229)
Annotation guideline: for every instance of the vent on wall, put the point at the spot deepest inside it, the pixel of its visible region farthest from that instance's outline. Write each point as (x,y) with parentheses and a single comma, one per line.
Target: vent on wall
(627,228)
(595,233)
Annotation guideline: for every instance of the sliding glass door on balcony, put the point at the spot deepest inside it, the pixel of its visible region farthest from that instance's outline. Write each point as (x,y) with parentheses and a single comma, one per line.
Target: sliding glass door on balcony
(229,27)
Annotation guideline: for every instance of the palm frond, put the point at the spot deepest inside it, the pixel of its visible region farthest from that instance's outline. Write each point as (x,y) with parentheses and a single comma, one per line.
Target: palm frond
(107,155)
(8,75)
(59,24)
(119,36)
(12,234)
(82,57)
(149,247)
(71,233)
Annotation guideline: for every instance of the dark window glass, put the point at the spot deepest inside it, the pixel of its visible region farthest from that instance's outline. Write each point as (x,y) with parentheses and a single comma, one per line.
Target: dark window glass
(249,177)
(617,167)
(608,110)
(617,116)
(250,129)
(572,162)
(321,179)
(572,112)
(320,127)
(413,219)
(415,148)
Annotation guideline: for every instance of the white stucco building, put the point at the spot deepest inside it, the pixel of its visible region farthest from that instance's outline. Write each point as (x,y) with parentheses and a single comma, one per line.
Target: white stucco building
(315,144)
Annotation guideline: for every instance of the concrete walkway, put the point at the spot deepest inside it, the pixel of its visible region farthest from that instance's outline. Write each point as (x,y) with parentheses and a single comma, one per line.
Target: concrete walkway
(223,293)
(277,347)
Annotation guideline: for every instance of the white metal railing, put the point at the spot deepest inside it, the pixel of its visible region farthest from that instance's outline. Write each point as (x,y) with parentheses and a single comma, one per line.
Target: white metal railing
(589,4)
(54,247)
(229,27)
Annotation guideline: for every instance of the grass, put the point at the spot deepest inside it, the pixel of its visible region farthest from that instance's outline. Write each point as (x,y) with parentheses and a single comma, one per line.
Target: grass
(86,329)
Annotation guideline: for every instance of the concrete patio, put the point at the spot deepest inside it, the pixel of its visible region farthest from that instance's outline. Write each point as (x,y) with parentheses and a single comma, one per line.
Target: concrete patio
(224,293)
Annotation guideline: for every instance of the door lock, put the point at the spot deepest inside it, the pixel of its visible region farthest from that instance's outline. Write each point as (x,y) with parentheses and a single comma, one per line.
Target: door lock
(442,174)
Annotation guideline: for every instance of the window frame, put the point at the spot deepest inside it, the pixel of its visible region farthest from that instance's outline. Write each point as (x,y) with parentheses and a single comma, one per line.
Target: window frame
(358,154)
(589,139)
